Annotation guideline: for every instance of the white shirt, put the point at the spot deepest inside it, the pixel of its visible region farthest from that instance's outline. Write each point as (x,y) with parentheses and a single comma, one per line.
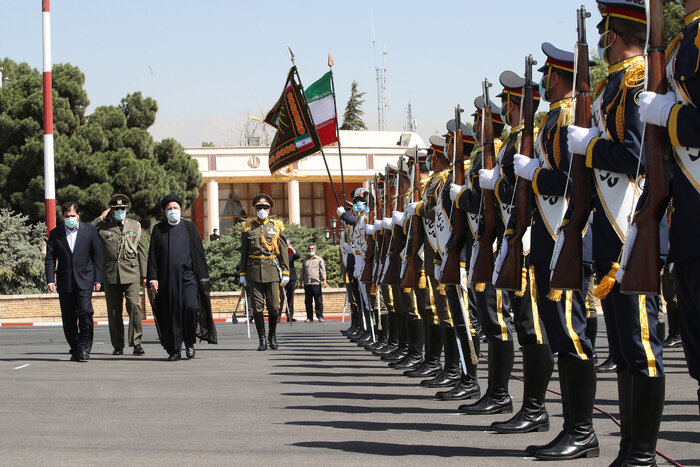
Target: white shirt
(71,235)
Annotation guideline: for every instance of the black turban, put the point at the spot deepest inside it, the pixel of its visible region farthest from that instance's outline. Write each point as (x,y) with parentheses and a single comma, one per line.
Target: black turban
(169,199)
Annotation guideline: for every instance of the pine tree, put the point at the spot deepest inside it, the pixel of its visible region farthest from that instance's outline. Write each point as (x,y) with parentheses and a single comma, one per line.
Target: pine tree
(352,118)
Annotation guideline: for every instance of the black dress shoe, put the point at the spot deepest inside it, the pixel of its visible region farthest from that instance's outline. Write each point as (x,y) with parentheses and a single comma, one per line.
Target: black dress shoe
(118,351)
(672,342)
(490,403)
(608,366)
(138,350)
(189,351)
(83,357)
(74,357)
(463,390)
(174,356)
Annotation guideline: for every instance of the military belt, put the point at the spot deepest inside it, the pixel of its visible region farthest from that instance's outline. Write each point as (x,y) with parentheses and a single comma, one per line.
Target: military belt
(262,256)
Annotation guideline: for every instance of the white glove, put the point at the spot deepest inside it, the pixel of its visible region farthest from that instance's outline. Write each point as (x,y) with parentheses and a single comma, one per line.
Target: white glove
(488,179)
(377,225)
(369,230)
(411,209)
(656,108)
(285,279)
(454,191)
(340,211)
(524,166)
(397,217)
(242,281)
(580,138)
(386,223)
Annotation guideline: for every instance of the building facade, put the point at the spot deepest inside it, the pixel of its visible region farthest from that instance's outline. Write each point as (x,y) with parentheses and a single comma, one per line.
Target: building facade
(302,193)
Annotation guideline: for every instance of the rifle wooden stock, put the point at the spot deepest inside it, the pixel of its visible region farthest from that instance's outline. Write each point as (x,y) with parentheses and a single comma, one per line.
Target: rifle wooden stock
(643,263)
(410,275)
(483,265)
(398,239)
(386,236)
(567,273)
(450,270)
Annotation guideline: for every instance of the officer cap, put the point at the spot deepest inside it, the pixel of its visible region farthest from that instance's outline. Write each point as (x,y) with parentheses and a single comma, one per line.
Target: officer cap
(513,86)
(630,10)
(495,109)
(360,194)
(119,201)
(437,144)
(559,59)
(169,199)
(263,201)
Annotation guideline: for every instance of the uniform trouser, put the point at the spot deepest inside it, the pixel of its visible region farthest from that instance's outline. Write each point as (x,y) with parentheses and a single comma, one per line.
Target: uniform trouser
(668,290)
(493,310)
(406,303)
(565,319)
(442,313)
(114,296)
(631,323)
(313,295)
(289,292)
(266,293)
(529,326)
(591,310)
(76,307)
(387,299)
(425,308)
(688,291)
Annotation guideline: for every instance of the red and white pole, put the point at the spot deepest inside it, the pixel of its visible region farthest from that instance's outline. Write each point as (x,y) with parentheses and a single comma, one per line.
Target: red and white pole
(49,179)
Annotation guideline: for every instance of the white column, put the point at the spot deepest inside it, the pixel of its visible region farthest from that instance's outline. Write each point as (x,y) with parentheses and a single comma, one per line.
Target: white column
(293,202)
(212,206)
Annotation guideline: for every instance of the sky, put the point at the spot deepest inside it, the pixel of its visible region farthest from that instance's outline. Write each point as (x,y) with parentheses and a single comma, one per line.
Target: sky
(211,63)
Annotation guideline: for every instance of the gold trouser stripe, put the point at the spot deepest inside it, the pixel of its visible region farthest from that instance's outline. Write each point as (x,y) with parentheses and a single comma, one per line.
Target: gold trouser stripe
(432,301)
(569,326)
(415,304)
(449,314)
(644,324)
(535,310)
(499,313)
(465,299)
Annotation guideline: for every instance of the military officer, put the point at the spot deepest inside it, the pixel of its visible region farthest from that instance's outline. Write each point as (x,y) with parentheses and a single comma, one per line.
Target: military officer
(124,262)
(264,267)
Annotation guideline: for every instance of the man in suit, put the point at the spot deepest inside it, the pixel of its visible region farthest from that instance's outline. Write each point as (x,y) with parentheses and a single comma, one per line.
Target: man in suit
(75,246)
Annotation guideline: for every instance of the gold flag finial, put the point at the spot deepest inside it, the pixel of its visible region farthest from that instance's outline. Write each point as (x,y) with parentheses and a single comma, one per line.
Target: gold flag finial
(330,61)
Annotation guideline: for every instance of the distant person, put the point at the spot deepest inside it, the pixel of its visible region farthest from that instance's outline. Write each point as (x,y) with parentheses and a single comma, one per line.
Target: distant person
(124,261)
(291,285)
(313,275)
(179,279)
(75,246)
(215,236)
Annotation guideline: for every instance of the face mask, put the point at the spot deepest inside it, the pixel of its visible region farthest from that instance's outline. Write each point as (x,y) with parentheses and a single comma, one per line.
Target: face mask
(262,213)
(71,222)
(120,214)
(359,207)
(543,90)
(505,113)
(173,215)
(427,164)
(311,253)
(604,44)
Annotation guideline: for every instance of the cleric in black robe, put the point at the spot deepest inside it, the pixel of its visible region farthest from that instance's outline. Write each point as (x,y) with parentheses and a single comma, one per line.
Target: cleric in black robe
(176,266)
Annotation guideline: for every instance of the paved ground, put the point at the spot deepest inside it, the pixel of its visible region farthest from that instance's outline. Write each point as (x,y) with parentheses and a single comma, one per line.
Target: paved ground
(318,400)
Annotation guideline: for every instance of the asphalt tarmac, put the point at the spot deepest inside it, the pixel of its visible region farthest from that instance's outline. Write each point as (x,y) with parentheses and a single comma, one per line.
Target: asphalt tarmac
(318,400)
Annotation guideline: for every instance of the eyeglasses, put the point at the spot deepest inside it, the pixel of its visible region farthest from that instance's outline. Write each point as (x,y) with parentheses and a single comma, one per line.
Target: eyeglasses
(119,209)
(262,208)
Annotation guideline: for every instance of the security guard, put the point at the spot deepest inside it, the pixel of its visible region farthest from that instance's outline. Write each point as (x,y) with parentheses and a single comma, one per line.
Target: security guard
(612,148)
(124,262)
(678,110)
(264,267)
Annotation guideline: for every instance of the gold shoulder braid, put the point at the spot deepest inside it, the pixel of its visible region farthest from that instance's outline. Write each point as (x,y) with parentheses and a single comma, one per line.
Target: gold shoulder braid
(566,118)
(634,76)
(246,226)
(271,247)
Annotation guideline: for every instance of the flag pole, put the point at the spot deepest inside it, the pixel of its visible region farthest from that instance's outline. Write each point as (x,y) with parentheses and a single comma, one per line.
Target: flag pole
(314,135)
(337,130)
(49,175)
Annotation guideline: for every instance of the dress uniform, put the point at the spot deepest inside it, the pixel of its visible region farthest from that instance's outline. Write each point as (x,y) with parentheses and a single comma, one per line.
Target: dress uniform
(264,267)
(124,263)
(612,149)
(678,111)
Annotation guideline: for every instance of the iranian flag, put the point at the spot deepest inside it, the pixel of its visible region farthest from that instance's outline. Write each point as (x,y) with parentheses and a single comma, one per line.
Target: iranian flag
(322,105)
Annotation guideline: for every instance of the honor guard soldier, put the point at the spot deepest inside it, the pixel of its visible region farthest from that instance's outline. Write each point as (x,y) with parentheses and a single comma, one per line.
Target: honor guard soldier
(612,148)
(264,267)
(678,111)
(124,263)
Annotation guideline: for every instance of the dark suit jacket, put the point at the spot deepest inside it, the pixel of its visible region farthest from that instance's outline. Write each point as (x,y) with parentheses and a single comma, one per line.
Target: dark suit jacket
(84,263)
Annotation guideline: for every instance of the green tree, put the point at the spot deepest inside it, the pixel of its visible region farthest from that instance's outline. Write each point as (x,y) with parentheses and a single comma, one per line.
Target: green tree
(352,118)
(96,156)
(22,262)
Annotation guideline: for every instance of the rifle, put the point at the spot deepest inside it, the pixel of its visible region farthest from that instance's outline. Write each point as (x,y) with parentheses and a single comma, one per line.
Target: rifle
(641,262)
(567,258)
(409,264)
(385,236)
(510,275)
(458,218)
(393,268)
(366,275)
(483,262)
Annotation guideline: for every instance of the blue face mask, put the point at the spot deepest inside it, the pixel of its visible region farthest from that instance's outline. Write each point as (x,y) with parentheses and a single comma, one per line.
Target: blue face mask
(71,222)
(680,2)
(505,113)
(120,214)
(543,90)
(359,206)
(604,44)
(173,215)
(427,164)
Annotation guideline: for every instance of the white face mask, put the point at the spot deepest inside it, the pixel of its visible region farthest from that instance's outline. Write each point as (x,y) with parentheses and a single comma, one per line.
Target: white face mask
(262,213)
(312,253)
(173,216)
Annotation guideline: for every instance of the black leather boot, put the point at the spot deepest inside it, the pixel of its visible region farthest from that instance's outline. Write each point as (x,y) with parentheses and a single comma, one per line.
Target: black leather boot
(608,366)
(580,439)
(451,372)
(260,328)
(591,333)
(433,348)
(272,337)
(416,342)
(468,385)
(393,339)
(533,448)
(537,370)
(382,336)
(402,333)
(647,407)
(624,398)
(353,323)
(496,399)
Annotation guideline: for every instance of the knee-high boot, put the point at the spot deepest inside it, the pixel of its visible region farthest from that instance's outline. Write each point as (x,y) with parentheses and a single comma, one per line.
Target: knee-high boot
(468,385)
(564,390)
(383,334)
(416,342)
(402,333)
(496,399)
(272,337)
(260,327)
(537,370)
(433,348)
(624,397)
(392,330)
(647,406)
(591,333)
(449,376)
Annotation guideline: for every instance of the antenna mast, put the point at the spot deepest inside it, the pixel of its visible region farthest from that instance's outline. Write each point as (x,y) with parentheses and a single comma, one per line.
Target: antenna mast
(382,105)
(410,124)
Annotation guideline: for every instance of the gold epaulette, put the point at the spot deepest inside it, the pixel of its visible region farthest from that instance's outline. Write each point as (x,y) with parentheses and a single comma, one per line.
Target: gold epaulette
(247,225)
(279,224)
(497,143)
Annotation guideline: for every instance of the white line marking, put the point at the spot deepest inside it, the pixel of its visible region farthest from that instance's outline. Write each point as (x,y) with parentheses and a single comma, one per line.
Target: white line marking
(22,366)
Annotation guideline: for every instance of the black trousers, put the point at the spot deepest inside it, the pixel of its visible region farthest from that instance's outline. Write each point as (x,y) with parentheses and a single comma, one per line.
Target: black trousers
(76,314)
(313,295)
(289,291)
(688,290)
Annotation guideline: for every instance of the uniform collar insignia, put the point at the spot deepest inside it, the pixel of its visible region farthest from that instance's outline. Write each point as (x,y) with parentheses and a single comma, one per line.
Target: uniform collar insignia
(626,63)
